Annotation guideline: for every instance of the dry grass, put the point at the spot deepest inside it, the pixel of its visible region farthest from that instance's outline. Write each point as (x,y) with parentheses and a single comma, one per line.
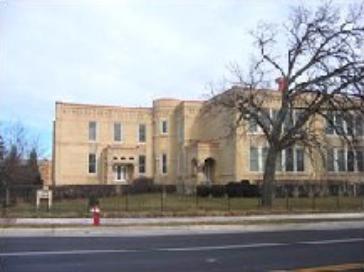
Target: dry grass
(181,205)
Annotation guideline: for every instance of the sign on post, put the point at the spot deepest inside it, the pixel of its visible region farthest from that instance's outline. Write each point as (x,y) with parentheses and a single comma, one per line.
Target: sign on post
(44,194)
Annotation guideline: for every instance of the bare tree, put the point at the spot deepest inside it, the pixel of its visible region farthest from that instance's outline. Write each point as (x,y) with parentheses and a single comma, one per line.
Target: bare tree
(18,159)
(318,60)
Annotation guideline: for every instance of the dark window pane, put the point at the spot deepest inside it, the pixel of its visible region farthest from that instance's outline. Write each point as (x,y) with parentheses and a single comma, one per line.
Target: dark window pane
(350,161)
(142,133)
(117,132)
(254,162)
(279,162)
(141,164)
(289,159)
(330,160)
(360,160)
(359,126)
(300,160)
(339,124)
(253,127)
(92,163)
(329,123)
(341,160)
(264,156)
(164,163)
(164,127)
(92,131)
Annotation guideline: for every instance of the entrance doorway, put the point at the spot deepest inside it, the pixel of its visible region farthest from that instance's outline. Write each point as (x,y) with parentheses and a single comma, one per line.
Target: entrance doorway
(123,173)
(120,173)
(209,170)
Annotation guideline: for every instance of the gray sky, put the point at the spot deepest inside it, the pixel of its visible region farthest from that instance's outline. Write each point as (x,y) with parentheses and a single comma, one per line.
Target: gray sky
(118,52)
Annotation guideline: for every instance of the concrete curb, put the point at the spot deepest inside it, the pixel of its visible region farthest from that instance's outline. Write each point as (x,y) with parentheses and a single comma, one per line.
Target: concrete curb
(140,231)
(181,220)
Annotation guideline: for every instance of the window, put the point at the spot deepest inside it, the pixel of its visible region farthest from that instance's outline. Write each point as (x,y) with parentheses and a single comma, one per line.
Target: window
(279,162)
(289,160)
(253,126)
(294,159)
(341,160)
(344,124)
(164,127)
(92,163)
(350,162)
(264,156)
(164,163)
(288,120)
(92,131)
(350,126)
(142,133)
(360,160)
(117,132)
(339,124)
(329,123)
(142,164)
(359,131)
(254,159)
(330,161)
(300,160)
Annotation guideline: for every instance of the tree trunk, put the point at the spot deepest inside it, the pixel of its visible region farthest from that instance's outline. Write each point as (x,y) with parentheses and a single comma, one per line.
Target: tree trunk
(268,178)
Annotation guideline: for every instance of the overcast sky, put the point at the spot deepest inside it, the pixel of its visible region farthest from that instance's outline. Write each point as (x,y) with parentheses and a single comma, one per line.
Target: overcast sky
(123,53)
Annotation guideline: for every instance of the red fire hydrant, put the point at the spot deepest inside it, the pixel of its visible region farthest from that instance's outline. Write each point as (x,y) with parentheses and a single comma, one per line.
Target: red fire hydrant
(96,215)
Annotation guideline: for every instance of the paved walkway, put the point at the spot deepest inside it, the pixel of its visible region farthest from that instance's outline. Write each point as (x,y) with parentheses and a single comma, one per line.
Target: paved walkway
(177,226)
(182,220)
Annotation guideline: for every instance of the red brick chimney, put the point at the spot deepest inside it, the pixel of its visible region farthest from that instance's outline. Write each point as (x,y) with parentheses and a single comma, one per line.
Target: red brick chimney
(282,84)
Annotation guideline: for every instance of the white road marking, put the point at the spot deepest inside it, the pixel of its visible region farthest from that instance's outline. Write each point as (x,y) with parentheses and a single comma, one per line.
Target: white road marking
(205,248)
(334,241)
(64,252)
(174,249)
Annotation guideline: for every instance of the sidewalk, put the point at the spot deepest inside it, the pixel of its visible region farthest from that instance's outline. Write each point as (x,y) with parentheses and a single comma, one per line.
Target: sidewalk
(142,230)
(231,220)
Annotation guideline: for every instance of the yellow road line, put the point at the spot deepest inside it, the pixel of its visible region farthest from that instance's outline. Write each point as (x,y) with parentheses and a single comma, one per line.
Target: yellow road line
(352,267)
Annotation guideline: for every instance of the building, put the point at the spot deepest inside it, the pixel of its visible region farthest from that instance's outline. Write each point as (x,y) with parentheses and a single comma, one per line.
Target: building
(179,142)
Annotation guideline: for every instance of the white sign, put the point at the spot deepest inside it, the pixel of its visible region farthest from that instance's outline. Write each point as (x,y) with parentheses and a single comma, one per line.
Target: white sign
(44,194)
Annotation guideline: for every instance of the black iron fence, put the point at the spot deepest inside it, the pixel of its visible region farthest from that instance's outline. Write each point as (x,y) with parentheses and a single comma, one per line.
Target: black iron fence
(148,199)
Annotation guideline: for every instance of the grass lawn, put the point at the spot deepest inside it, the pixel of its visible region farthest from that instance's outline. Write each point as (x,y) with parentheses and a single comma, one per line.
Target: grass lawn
(182,205)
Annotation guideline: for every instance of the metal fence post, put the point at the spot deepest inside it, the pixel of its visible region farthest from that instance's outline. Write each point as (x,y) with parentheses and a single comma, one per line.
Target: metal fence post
(196,200)
(162,194)
(314,201)
(338,201)
(127,198)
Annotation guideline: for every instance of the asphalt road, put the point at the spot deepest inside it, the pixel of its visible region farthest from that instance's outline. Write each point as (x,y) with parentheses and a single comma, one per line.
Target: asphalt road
(263,251)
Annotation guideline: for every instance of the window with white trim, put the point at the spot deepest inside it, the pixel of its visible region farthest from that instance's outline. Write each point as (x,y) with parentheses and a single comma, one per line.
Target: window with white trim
(338,125)
(142,131)
(343,159)
(254,159)
(117,132)
(92,126)
(164,126)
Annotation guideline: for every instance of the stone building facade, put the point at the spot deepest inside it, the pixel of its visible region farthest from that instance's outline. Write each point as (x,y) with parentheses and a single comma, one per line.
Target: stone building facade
(178,142)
